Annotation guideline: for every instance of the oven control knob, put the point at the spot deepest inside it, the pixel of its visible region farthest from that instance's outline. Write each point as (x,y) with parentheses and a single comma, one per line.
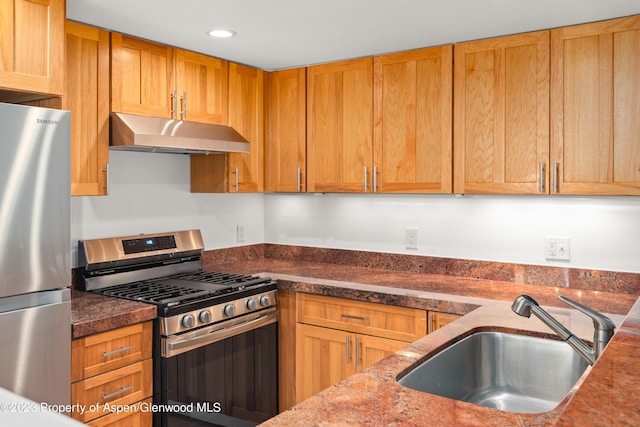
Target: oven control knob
(229,310)
(204,316)
(265,301)
(252,304)
(188,321)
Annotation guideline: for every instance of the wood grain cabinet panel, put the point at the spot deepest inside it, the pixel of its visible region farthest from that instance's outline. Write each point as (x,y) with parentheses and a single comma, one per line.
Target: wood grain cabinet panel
(237,172)
(501,115)
(437,320)
(142,77)
(115,368)
(595,93)
(413,121)
(87,97)
(286,133)
(336,338)
(32,46)
(339,126)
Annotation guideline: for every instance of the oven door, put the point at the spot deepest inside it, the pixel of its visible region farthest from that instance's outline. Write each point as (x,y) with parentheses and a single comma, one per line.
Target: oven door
(224,375)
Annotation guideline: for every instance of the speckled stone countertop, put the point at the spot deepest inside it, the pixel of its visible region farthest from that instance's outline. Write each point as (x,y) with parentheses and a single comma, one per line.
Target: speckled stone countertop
(92,313)
(606,395)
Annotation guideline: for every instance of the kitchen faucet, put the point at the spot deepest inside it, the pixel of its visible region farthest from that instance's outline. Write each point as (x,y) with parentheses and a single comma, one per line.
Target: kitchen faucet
(524,305)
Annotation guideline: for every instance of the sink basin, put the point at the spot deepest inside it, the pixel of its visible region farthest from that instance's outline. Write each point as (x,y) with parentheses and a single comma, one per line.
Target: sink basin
(511,372)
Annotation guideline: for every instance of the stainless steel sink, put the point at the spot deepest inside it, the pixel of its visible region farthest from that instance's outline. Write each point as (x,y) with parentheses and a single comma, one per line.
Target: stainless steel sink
(511,372)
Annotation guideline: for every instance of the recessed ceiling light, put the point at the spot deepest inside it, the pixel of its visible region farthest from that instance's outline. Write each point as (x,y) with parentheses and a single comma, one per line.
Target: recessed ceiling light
(222,34)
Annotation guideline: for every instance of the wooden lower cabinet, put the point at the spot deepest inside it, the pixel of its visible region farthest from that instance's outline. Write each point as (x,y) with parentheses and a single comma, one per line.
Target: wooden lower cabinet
(110,370)
(326,356)
(336,338)
(438,320)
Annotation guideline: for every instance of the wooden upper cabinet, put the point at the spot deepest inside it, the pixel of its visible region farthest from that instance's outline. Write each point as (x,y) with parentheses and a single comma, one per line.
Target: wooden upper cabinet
(142,77)
(202,87)
(413,120)
(32,46)
(237,172)
(501,115)
(87,97)
(595,108)
(246,115)
(286,140)
(339,126)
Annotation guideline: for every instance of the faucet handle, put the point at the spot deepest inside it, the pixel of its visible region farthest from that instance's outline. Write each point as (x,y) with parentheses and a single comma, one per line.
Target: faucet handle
(604,326)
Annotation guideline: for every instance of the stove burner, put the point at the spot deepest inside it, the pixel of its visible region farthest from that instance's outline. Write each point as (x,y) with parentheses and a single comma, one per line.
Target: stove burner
(156,293)
(234,280)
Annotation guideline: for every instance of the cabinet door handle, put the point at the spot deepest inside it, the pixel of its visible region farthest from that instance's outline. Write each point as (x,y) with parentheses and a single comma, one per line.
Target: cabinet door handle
(349,316)
(183,106)
(106,179)
(106,354)
(298,182)
(123,390)
(555,177)
(541,171)
(235,172)
(365,179)
(348,350)
(174,105)
(357,351)
(375,179)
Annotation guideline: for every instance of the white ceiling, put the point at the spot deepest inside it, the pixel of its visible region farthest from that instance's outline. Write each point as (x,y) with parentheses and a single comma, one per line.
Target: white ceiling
(277,34)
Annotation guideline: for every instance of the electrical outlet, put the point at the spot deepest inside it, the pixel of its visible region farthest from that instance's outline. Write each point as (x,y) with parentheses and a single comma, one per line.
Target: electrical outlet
(557,248)
(240,232)
(411,238)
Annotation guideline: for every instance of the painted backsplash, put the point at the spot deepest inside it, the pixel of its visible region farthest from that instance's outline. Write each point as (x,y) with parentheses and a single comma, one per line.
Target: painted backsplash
(150,193)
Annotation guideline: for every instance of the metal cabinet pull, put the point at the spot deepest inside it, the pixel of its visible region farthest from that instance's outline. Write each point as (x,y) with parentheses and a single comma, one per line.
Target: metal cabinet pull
(184,105)
(123,390)
(375,179)
(348,351)
(555,177)
(235,172)
(299,173)
(349,316)
(357,351)
(365,179)
(106,179)
(174,105)
(541,171)
(120,350)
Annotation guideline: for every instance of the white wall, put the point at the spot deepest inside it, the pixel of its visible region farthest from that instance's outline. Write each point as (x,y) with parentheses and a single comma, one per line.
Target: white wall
(150,193)
(604,231)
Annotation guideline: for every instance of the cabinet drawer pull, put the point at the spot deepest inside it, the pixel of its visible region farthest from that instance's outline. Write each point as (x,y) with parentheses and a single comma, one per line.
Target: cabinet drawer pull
(123,390)
(119,350)
(349,316)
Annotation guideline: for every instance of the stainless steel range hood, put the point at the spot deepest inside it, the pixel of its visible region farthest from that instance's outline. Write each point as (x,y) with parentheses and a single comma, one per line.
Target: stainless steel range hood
(158,135)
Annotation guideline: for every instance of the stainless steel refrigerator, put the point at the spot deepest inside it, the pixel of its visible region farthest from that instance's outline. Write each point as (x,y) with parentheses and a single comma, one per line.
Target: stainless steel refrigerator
(35,270)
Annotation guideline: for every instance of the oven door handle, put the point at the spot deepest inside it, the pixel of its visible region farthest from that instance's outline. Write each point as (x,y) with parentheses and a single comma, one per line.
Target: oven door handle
(177,345)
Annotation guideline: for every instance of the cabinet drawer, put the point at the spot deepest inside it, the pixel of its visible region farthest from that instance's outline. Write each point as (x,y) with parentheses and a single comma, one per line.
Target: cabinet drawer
(122,386)
(141,417)
(398,323)
(99,353)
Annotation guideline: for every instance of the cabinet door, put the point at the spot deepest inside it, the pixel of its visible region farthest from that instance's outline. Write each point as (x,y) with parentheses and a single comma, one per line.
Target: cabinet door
(413,121)
(32,46)
(323,357)
(246,115)
(370,349)
(438,320)
(87,97)
(501,115)
(286,141)
(202,87)
(142,77)
(339,126)
(595,107)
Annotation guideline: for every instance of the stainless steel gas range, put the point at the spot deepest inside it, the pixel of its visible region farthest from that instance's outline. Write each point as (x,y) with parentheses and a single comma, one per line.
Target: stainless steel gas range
(215,337)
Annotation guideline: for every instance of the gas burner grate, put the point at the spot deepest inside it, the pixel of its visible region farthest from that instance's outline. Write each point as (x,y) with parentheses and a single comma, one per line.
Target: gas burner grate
(154,293)
(233,280)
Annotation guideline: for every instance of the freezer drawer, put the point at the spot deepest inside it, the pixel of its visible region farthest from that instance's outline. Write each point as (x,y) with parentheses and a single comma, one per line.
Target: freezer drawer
(35,346)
